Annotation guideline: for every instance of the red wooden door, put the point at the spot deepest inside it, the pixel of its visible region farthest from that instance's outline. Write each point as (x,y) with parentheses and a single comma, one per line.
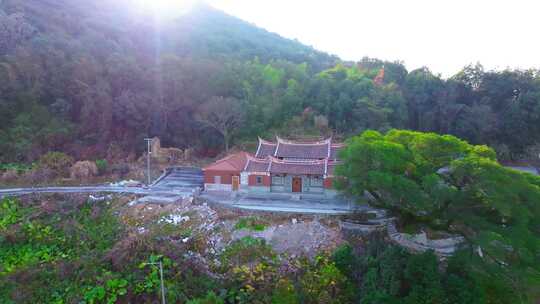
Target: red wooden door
(297,184)
(235,183)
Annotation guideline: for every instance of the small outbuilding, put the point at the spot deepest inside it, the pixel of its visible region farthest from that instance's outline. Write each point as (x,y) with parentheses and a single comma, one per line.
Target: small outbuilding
(224,174)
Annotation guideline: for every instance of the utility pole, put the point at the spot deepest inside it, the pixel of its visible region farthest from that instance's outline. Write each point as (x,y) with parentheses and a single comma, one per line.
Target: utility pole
(162,286)
(160,264)
(148,142)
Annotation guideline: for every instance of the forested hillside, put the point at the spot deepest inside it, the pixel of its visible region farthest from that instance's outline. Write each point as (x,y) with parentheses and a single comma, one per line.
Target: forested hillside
(91,77)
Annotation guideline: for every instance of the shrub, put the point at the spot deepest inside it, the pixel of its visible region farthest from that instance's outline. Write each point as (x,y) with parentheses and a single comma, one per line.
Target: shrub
(113,288)
(251,223)
(39,175)
(58,162)
(9,176)
(324,283)
(102,166)
(284,293)
(17,167)
(120,169)
(9,213)
(345,260)
(424,278)
(210,298)
(247,250)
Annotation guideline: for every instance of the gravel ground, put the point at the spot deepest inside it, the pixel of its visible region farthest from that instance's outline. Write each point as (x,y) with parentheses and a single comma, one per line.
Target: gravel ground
(297,238)
(293,235)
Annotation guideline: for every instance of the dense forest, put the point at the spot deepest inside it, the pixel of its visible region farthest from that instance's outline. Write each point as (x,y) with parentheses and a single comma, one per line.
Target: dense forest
(87,78)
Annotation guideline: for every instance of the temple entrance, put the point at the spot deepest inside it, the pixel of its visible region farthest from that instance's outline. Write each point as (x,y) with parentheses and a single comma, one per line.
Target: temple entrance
(235,183)
(296,184)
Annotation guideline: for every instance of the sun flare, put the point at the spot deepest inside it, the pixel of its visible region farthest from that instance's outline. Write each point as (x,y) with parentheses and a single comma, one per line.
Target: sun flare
(166,7)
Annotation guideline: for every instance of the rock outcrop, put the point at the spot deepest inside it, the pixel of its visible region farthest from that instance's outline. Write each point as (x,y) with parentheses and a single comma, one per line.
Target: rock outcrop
(83,170)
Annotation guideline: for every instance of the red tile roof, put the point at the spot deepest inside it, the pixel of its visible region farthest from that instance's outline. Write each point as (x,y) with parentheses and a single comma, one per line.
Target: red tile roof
(312,150)
(233,162)
(265,149)
(257,165)
(298,150)
(284,157)
(278,166)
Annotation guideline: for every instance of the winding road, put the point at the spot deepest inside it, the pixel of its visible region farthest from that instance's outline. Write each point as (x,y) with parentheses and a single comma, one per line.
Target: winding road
(178,181)
(182,182)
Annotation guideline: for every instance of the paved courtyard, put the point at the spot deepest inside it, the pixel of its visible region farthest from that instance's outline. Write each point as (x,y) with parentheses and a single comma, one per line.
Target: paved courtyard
(283,203)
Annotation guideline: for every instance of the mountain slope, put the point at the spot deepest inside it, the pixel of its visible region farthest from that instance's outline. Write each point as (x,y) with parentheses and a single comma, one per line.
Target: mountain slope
(93,78)
(203,31)
(208,31)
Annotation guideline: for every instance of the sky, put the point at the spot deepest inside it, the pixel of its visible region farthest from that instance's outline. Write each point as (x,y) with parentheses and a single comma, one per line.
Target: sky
(445,36)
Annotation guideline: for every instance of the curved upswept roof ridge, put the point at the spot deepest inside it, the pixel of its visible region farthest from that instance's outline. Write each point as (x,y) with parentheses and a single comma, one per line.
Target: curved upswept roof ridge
(314,167)
(274,165)
(265,148)
(306,150)
(266,142)
(300,161)
(255,164)
(301,143)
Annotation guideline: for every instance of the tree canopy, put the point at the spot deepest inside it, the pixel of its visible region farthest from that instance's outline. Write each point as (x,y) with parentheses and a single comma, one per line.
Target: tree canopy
(451,185)
(78,77)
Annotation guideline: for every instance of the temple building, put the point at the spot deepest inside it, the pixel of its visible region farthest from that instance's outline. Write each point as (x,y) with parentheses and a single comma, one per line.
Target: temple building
(283,166)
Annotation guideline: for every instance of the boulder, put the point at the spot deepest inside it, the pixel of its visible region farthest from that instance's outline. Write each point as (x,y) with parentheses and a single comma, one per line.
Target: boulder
(83,170)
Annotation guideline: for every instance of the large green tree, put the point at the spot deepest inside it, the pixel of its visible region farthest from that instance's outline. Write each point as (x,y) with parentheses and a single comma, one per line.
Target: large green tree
(448,184)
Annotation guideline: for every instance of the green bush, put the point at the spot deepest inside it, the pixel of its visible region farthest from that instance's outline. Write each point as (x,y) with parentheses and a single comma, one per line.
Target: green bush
(20,168)
(322,282)
(246,250)
(251,223)
(10,213)
(389,274)
(345,260)
(102,166)
(210,298)
(57,162)
(284,293)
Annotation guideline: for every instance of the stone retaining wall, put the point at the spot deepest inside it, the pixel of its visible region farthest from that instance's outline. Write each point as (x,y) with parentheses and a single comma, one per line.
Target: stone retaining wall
(420,243)
(363,228)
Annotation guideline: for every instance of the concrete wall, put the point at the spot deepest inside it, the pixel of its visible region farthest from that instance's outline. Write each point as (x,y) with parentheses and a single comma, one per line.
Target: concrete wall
(330,193)
(217,187)
(258,189)
(279,188)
